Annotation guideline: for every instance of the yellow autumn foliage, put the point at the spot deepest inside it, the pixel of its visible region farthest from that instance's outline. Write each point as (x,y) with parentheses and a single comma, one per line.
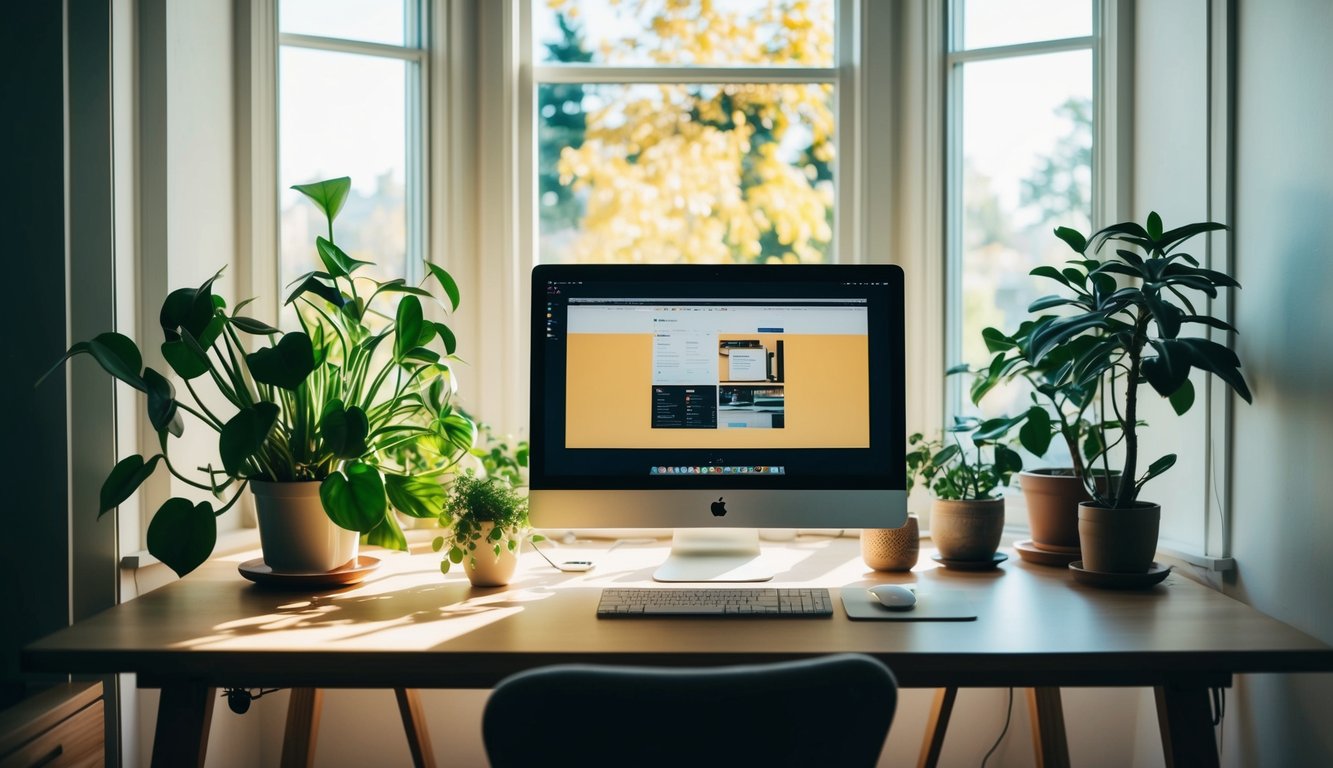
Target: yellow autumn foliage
(704,173)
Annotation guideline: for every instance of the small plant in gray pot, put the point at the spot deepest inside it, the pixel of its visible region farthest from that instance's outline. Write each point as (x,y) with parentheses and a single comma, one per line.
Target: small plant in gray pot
(308,419)
(966,472)
(1130,298)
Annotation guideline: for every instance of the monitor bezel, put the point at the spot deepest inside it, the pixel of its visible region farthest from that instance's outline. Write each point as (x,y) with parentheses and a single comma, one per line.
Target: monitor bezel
(890,474)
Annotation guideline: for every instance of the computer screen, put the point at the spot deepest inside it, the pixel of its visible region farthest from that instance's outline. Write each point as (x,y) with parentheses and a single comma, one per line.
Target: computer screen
(715,398)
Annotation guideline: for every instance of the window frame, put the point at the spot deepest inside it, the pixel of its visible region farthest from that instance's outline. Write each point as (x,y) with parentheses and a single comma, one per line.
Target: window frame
(955,59)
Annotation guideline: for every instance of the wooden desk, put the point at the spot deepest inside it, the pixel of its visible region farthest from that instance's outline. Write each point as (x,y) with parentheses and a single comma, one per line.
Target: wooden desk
(409,627)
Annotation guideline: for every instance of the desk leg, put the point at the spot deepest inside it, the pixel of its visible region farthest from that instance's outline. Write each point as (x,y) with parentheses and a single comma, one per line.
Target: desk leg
(184,713)
(298,742)
(1049,744)
(1185,719)
(936,726)
(414,725)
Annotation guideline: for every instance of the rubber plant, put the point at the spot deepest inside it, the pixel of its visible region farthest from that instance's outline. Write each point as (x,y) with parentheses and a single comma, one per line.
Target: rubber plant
(1128,298)
(367,372)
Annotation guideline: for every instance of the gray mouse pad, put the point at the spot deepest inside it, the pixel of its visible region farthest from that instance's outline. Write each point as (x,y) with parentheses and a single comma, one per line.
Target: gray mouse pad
(931,605)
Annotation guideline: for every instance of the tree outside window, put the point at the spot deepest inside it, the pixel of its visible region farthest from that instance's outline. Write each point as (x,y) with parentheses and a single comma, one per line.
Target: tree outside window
(632,168)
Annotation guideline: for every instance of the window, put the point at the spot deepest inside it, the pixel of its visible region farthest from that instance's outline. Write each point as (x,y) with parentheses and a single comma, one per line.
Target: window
(351,93)
(1012,181)
(685,131)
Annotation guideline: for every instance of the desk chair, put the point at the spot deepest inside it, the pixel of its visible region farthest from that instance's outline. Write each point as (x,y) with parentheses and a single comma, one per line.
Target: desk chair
(831,710)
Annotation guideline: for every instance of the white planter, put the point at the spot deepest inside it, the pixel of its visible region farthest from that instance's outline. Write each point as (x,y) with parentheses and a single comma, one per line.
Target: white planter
(491,570)
(294,531)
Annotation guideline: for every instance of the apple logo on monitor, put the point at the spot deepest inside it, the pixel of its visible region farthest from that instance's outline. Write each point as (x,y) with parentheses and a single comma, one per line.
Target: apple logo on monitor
(719,507)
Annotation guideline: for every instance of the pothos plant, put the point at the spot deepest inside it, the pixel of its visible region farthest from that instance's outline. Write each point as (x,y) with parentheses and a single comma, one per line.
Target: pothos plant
(1118,337)
(367,372)
(971,461)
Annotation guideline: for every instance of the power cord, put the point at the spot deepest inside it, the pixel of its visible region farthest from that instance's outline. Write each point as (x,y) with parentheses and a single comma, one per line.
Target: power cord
(569,566)
(1007,715)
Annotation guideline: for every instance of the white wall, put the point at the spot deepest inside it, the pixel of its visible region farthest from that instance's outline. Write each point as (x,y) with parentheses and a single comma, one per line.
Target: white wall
(1283,446)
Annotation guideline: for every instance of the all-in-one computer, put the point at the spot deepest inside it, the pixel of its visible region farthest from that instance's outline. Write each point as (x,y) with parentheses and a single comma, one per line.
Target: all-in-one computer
(716,401)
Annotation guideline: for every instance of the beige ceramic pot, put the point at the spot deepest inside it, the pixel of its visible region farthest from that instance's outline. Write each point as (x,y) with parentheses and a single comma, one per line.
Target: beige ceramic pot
(1118,540)
(967,529)
(1052,497)
(491,570)
(295,533)
(892,549)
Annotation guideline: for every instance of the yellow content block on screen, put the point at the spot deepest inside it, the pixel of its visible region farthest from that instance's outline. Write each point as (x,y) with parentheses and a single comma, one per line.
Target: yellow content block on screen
(608,396)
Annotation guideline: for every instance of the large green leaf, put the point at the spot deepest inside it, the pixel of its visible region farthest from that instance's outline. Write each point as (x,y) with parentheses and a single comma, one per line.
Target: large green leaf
(253,326)
(285,365)
(447,283)
(125,478)
(1169,368)
(1036,433)
(1158,467)
(244,434)
(1007,460)
(313,284)
(1073,238)
(994,429)
(1154,226)
(407,326)
(1167,315)
(415,497)
(1179,235)
(344,430)
(1220,360)
(162,410)
(336,260)
(329,195)
(183,309)
(354,498)
(388,535)
(184,359)
(182,534)
(1183,398)
(1057,332)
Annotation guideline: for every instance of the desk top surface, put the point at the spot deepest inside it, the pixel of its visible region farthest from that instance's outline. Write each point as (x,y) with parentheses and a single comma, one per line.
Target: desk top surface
(408,625)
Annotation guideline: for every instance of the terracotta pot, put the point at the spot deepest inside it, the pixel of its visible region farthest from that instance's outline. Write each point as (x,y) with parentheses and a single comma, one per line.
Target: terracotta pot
(1118,540)
(968,529)
(491,570)
(1053,496)
(295,533)
(892,549)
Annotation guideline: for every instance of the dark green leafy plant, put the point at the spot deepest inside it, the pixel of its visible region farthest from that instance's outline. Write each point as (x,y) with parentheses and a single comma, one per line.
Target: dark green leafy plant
(367,373)
(1118,337)
(955,470)
(473,501)
(1059,406)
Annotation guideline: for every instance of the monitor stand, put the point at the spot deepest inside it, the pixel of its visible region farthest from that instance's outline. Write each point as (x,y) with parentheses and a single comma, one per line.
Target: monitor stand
(715,554)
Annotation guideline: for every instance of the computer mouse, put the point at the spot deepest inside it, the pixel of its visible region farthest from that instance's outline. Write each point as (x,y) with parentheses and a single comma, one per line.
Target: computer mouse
(894,596)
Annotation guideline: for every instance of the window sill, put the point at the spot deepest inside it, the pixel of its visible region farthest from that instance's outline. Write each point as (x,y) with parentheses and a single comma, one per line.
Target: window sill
(228,543)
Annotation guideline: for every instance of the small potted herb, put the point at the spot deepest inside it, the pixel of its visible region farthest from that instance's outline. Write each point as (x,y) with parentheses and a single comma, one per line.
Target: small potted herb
(966,473)
(486,520)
